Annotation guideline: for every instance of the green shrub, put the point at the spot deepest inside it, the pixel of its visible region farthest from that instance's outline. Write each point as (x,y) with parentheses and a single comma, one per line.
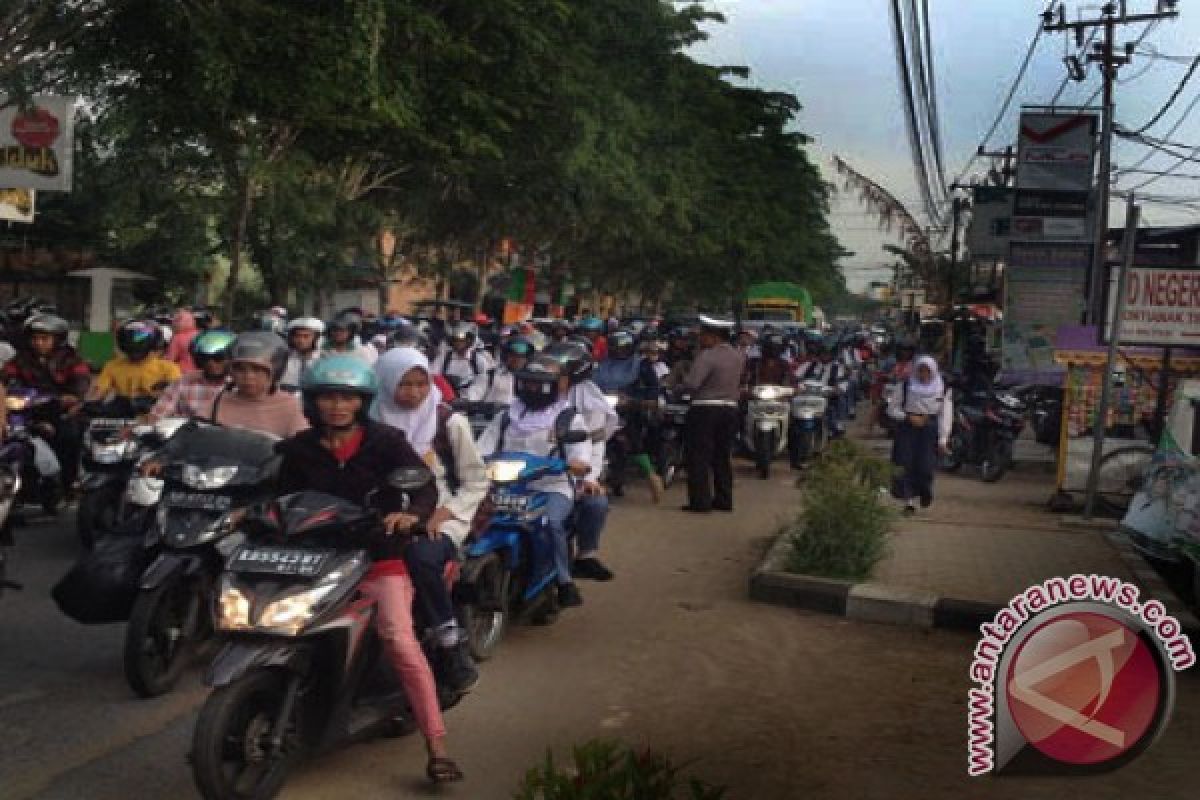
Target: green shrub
(843,530)
(603,770)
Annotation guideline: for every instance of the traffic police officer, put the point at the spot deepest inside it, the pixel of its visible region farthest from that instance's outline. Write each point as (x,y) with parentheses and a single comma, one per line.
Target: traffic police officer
(714,384)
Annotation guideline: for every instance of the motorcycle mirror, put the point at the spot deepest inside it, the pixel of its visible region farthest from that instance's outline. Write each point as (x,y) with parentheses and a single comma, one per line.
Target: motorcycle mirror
(407,479)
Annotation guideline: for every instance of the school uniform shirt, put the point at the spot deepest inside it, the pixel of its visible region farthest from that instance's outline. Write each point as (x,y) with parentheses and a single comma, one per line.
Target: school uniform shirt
(598,416)
(501,391)
(297,363)
(474,367)
(539,443)
(900,404)
(473,484)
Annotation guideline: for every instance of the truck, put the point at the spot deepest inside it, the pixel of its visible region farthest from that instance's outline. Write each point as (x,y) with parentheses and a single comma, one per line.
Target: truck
(779,301)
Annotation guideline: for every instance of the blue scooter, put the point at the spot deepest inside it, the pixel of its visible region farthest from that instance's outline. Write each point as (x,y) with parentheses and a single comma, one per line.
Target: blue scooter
(509,572)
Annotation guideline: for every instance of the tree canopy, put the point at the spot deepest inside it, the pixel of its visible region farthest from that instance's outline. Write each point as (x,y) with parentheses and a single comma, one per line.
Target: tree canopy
(288,135)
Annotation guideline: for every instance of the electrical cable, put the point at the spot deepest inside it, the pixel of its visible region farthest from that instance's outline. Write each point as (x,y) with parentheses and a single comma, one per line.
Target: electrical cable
(1187,76)
(917,43)
(914,133)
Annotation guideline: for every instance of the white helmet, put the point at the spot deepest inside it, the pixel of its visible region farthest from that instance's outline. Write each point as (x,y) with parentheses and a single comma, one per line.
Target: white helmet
(307,323)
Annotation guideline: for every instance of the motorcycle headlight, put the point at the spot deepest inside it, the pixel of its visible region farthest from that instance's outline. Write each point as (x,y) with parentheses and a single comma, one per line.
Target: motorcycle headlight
(112,452)
(505,471)
(16,403)
(292,612)
(211,478)
(767,393)
(233,609)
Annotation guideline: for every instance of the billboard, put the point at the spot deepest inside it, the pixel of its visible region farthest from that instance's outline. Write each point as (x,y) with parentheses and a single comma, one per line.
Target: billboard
(37,143)
(16,205)
(1044,290)
(1056,152)
(991,222)
(1162,306)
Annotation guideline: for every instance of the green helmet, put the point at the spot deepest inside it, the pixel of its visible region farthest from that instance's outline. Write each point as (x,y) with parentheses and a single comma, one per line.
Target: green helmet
(212,344)
(338,373)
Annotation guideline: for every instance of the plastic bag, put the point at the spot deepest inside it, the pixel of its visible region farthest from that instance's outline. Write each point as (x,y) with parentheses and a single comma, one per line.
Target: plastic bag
(103,583)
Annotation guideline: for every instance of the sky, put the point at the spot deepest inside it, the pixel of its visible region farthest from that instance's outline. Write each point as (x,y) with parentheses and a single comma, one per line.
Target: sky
(837,57)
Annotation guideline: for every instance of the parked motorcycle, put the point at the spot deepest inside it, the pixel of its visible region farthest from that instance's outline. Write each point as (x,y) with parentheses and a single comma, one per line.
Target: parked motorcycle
(986,424)
(218,473)
(806,431)
(765,434)
(301,670)
(509,570)
(671,456)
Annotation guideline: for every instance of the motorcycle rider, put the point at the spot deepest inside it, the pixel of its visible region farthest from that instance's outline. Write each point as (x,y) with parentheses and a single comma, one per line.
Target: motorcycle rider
(304,348)
(514,355)
(408,400)
(48,364)
(528,427)
(183,331)
(622,374)
(257,360)
(826,370)
(350,456)
(601,420)
(343,338)
(596,332)
(137,371)
(463,363)
(771,367)
(193,395)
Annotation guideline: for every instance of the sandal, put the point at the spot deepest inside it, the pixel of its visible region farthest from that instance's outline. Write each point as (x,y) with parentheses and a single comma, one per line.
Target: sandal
(442,770)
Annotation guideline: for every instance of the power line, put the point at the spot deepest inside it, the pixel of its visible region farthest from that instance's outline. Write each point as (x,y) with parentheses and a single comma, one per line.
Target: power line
(1178,123)
(917,42)
(914,132)
(1187,76)
(935,121)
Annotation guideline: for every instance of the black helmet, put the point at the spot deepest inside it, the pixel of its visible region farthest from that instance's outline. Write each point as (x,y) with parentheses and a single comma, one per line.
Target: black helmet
(410,336)
(215,344)
(772,344)
(262,348)
(461,332)
(347,321)
(620,344)
(137,338)
(52,324)
(537,384)
(576,359)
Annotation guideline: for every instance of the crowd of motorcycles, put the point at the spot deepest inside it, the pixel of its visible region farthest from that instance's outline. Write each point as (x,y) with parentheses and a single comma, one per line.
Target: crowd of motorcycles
(202,561)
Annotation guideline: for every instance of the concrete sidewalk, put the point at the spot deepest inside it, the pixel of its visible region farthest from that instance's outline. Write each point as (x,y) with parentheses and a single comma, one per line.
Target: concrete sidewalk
(958,562)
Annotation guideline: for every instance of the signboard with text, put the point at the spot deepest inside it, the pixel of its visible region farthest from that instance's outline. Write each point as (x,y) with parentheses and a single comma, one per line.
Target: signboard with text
(16,205)
(1044,290)
(1162,306)
(37,144)
(1056,152)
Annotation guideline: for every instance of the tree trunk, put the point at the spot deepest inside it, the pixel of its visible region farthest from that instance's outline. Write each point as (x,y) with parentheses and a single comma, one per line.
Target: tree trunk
(237,235)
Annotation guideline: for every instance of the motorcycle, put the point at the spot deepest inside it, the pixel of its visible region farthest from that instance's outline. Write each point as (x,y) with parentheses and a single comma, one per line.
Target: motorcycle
(806,431)
(10,486)
(301,670)
(220,472)
(765,434)
(26,452)
(108,457)
(986,424)
(671,455)
(509,569)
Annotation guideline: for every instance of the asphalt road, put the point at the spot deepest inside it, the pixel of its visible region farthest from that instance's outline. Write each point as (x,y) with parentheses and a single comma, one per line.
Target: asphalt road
(770,702)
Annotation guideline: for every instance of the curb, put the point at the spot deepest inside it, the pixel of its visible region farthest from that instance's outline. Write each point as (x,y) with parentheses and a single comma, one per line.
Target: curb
(879,603)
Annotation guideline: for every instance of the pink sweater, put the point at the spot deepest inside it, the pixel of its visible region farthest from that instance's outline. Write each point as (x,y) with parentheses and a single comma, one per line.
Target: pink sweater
(279,413)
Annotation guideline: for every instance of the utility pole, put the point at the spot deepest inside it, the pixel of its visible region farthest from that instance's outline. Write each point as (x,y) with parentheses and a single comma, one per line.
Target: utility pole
(1104,54)
(1004,175)
(957,209)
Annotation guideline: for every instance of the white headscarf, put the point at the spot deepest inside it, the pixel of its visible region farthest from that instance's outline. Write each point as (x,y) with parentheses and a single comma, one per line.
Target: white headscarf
(933,388)
(419,424)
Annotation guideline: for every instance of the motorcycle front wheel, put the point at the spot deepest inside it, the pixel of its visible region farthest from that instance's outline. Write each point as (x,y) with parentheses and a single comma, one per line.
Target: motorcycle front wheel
(231,750)
(764,450)
(161,636)
(486,619)
(668,464)
(997,461)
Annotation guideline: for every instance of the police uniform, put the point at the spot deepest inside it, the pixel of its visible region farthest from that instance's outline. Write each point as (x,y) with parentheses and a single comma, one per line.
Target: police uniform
(714,382)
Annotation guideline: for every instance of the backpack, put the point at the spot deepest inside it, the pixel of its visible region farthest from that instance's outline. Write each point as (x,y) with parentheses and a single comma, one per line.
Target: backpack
(443,448)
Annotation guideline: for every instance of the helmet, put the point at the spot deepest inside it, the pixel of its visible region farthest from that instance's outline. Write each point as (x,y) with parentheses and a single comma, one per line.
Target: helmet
(262,348)
(773,344)
(461,331)
(278,311)
(47,323)
(620,344)
(576,359)
(203,318)
(582,341)
(338,374)
(592,325)
(649,345)
(537,384)
(307,324)
(409,336)
(517,345)
(138,337)
(347,321)
(210,345)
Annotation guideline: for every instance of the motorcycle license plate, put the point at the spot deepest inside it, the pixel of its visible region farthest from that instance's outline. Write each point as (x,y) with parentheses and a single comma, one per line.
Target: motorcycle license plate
(510,503)
(199,501)
(279,560)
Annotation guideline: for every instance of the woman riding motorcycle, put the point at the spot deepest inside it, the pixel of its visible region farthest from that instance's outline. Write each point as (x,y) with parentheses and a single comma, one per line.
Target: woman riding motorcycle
(255,402)
(304,342)
(347,455)
(408,400)
(137,371)
(528,427)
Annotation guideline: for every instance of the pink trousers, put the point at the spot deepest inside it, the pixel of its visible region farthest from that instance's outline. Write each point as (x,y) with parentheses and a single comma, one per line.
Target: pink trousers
(394,596)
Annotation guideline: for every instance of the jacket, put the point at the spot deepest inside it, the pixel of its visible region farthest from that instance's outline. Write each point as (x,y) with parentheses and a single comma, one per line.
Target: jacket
(308,464)
(64,372)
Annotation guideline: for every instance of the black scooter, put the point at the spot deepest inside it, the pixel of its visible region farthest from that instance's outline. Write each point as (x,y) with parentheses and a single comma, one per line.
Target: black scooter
(301,671)
(986,425)
(217,474)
